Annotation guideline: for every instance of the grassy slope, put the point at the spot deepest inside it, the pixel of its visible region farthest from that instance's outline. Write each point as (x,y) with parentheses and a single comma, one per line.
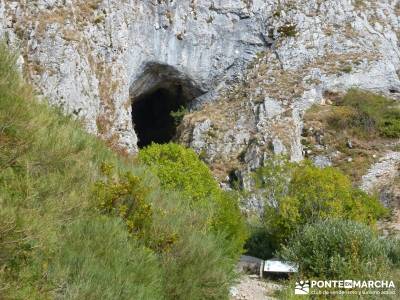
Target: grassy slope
(57,242)
(49,232)
(370,121)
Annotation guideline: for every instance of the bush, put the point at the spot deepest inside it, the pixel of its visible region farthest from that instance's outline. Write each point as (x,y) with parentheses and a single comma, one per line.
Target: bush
(201,267)
(304,193)
(393,249)
(273,179)
(333,249)
(108,265)
(390,124)
(179,235)
(288,30)
(198,255)
(178,228)
(345,117)
(366,113)
(47,166)
(15,248)
(124,196)
(260,244)
(181,170)
(178,115)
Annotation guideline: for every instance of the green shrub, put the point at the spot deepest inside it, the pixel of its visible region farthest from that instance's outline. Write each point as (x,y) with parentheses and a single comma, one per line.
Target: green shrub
(99,260)
(260,244)
(124,196)
(228,219)
(14,247)
(389,126)
(198,255)
(200,268)
(366,113)
(393,249)
(303,193)
(288,30)
(346,69)
(172,229)
(332,249)
(273,179)
(178,115)
(345,117)
(180,169)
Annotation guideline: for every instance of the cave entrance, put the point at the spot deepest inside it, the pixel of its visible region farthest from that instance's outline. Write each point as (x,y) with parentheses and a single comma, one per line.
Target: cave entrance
(159,99)
(152,114)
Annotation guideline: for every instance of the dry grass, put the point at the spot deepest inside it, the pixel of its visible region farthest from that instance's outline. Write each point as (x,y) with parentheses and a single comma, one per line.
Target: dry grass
(366,149)
(71,35)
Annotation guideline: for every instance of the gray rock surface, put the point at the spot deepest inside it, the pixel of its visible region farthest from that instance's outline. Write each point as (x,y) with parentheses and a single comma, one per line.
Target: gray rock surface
(384,178)
(383,171)
(322,161)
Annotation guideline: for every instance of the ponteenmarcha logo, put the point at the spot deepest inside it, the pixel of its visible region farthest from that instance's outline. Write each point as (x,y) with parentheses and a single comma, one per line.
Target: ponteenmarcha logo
(302,287)
(381,287)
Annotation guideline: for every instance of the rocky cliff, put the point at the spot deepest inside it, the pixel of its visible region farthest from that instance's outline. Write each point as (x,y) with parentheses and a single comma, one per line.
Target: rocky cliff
(94,57)
(248,69)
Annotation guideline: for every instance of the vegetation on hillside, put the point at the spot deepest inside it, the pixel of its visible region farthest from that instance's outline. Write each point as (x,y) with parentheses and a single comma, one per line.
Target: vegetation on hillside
(334,248)
(180,169)
(297,194)
(366,114)
(79,222)
(315,218)
(352,130)
(338,249)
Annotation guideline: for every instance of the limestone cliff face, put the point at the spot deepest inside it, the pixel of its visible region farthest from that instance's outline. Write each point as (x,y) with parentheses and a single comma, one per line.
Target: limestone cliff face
(91,57)
(251,66)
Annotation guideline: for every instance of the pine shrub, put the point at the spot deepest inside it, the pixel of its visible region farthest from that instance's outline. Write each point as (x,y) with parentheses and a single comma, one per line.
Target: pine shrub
(339,249)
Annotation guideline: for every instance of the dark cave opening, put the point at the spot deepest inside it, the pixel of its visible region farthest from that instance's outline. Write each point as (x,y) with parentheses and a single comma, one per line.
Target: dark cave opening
(160,96)
(151,114)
